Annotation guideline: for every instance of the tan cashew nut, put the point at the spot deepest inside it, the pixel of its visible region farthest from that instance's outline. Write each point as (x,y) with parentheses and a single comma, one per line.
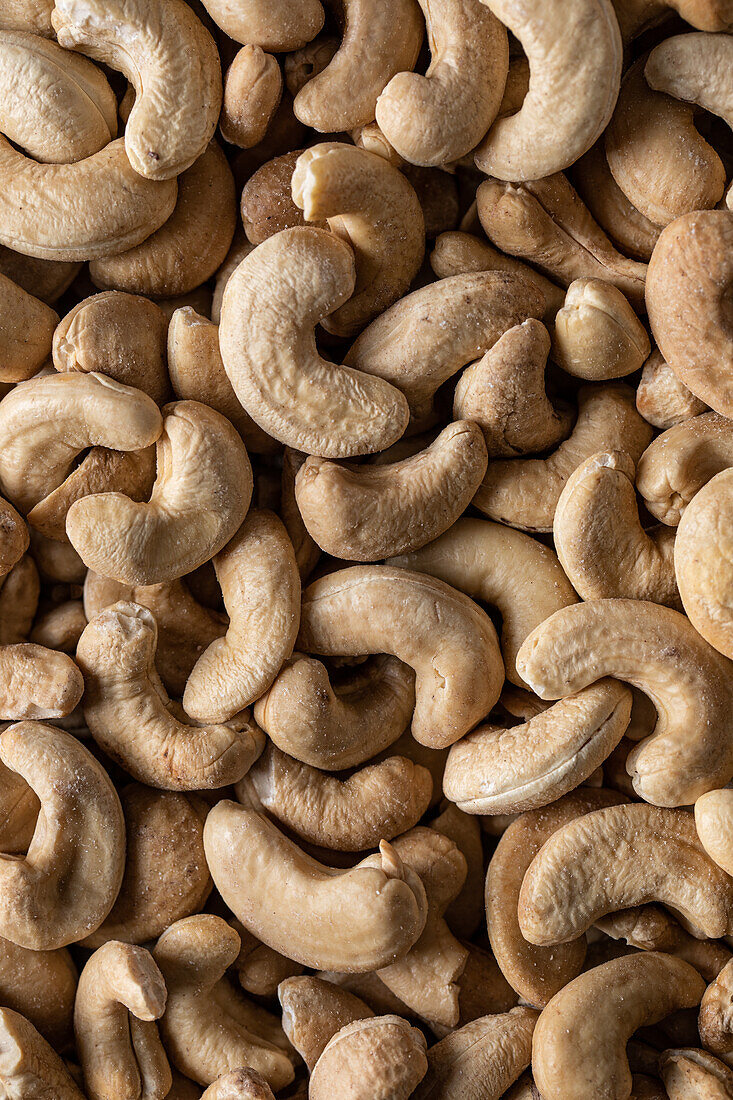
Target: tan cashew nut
(171,61)
(371,206)
(240,1084)
(715,1020)
(121,993)
(66,884)
(260,584)
(271,305)
(253,87)
(657,650)
(579,1046)
(382,1058)
(366,513)
(678,463)
(702,559)
(36,682)
(275,25)
(695,68)
(314,1010)
(632,233)
(14,539)
(662,398)
(597,335)
(249,858)
(575,55)
(440,632)
(29,1068)
(26,330)
(443,115)
(688,1073)
(599,539)
(40,985)
(199,499)
(713,820)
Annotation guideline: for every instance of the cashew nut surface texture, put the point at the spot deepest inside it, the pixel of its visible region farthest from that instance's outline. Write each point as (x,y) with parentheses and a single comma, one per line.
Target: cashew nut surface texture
(272,24)
(702,558)
(382,1058)
(29,1068)
(662,398)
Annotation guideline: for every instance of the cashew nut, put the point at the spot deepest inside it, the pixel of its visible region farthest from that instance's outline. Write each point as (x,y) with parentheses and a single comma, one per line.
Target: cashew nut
(681,461)
(661,398)
(253,88)
(29,1068)
(14,538)
(702,562)
(241,1084)
(632,233)
(277,25)
(716,1019)
(694,68)
(597,335)
(26,331)
(40,985)
(688,1073)
(314,1010)
(382,1058)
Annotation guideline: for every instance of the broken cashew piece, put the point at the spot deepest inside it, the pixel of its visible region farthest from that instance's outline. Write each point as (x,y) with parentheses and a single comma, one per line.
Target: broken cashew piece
(29,1067)
(702,561)
(382,1058)
(597,335)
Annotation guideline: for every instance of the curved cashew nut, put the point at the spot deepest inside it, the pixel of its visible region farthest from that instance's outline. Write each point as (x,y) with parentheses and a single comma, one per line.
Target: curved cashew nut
(177,101)
(26,331)
(29,1067)
(688,298)
(518,576)
(662,398)
(628,229)
(713,819)
(366,513)
(382,1058)
(275,25)
(438,631)
(443,115)
(597,335)
(199,499)
(651,928)
(579,1046)
(371,207)
(380,39)
(599,539)
(575,55)
(260,584)
(702,561)
(67,883)
(688,1072)
(681,461)
(131,717)
(270,307)
(339,728)
(375,803)
(524,492)
(505,771)
(695,68)
(208,1028)
(715,1020)
(249,858)
(314,1010)
(569,883)
(121,993)
(658,651)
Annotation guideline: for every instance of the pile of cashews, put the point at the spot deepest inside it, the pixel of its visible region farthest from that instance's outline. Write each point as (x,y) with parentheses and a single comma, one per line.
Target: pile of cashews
(366,549)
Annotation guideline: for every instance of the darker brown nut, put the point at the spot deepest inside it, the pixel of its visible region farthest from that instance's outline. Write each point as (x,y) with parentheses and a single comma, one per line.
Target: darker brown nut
(267,205)
(627,228)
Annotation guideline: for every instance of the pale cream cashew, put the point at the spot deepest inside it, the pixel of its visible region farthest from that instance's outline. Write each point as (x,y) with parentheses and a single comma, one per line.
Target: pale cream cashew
(240,1084)
(270,307)
(438,631)
(715,1020)
(702,560)
(29,1068)
(678,463)
(713,817)
(382,1058)
(28,15)
(628,229)
(662,398)
(511,571)
(171,61)
(249,858)
(441,116)
(524,492)
(314,1010)
(26,331)
(366,513)
(253,87)
(199,499)
(579,1045)
(373,208)
(208,1028)
(121,993)
(695,68)
(132,719)
(597,335)
(40,985)
(302,65)
(599,539)
(277,25)
(37,683)
(689,1073)
(575,55)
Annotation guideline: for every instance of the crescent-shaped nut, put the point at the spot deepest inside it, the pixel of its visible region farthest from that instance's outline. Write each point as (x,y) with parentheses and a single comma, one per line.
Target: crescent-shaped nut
(681,461)
(571,883)
(199,499)
(275,25)
(441,116)
(253,87)
(688,295)
(131,717)
(597,335)
(651,928)
(695,68)
(314,1010)
(575,55)
(688,1072)
(260,585)
(702,560)
(657,650)
(438,631)
(29,1067)
(171,61)
(120,208)
(271,305)
(37,683)
(26,331)
(506,771)
(342,727)
(382,1058)
(121,993)
(599,539)
(579,1046)
(372,207)
(524,492)
(662,398)
(249,858)
(366,513)
(67,883)
(713,820)
(628,229)
(715,1020)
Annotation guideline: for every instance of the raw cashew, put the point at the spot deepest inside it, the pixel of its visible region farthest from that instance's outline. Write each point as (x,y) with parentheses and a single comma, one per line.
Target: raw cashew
(208,1028)
(579,1045)
(575,54)
(600,541)
(524,492)
(171,61)
(335,728)
(20,591)
(260,969)
(253,87)
(695,68)
(271,305)
(240,1084)
(366,513)
(688,298)
(40,985)
(631,233)
(662,398)
(382,1058)
(657,650)
(440,632)
(514,573)
(597,335)
(314,1010)
(249,859)
(650,928)
(681,461)
(29,1068)
(715,1020)
(46,279)
(371,206)
(66,884)
(28,15)
(26,331)
(267,205)
(443,115)
(702,561)
(277,25)
(121,993)
(199,499)
(37,683)
(132,719)
(14,538)
(688,1073)
(713,819)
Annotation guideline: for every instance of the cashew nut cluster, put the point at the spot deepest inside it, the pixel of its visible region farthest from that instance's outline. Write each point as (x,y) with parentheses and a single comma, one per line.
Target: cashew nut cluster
(366,550)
